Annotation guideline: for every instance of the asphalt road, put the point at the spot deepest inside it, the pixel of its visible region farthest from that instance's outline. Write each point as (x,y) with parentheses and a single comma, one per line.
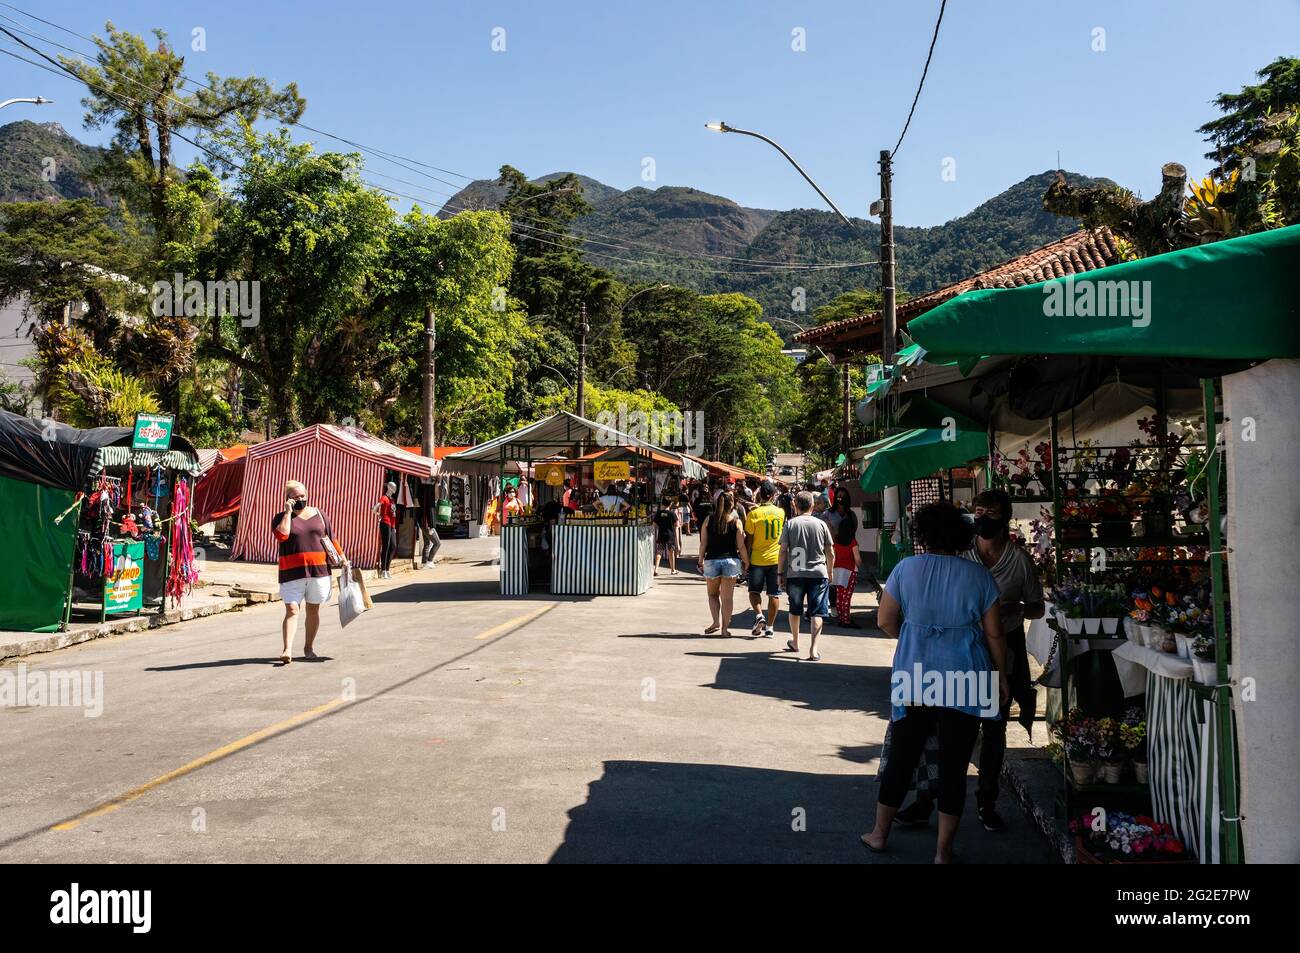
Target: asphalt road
(451,725)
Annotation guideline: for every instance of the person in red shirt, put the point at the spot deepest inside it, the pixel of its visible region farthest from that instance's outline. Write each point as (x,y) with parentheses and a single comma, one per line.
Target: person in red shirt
(307,551)
(386,510)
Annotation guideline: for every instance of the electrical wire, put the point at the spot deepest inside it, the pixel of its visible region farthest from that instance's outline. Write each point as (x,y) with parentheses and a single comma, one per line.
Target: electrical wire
(757,266)
(921,85)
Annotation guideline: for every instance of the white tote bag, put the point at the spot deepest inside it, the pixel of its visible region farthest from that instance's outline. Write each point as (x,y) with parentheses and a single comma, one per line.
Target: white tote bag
(352,602)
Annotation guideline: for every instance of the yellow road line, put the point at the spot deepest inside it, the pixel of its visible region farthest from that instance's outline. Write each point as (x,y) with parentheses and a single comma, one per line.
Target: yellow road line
(226,751)
(516,622)
(222,752)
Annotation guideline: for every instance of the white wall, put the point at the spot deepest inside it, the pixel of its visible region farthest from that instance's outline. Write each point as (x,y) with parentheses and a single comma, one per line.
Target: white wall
(15,345)
(1263,521)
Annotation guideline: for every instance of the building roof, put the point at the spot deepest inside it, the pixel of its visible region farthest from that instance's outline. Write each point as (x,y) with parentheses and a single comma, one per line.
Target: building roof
(350,440)
(1079,252)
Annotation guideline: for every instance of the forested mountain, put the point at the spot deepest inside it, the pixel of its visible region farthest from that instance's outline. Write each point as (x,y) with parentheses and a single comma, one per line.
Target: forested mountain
(669,233)
(39,160)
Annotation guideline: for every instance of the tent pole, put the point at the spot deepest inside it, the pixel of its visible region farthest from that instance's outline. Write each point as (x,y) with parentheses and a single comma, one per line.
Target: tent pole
(1224,741)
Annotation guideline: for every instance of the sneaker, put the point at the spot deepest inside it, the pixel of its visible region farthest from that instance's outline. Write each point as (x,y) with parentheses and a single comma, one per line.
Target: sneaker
(916,814)
(769,632)
(988,816)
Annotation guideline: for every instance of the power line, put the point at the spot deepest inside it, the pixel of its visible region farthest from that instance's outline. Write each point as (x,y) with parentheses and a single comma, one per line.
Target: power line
(590,237)
(921,85)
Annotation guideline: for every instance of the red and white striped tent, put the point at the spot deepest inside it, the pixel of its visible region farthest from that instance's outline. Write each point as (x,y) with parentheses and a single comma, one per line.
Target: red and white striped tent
(343,469)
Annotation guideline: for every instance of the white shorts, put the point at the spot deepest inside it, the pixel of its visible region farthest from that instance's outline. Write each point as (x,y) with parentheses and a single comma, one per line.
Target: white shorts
(314,589)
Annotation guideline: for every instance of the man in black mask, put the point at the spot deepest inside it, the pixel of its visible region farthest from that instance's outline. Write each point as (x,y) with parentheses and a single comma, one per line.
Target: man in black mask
(1022,599)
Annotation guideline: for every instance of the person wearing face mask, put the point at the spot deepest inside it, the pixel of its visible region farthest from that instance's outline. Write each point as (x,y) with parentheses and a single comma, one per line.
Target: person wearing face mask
(307,552)
(1020,599)
(386,510)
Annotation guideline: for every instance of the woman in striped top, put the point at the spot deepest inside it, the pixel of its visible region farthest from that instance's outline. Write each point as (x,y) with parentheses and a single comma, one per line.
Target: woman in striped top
(307,552)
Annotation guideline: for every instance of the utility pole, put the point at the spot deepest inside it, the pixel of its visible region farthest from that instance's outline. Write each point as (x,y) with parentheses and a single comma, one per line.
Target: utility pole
(583,328)
(890,330)
(427,441)
(845,431)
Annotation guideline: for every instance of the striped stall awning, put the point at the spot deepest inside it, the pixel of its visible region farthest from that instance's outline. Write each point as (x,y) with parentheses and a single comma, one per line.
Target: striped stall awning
(343,469)
(513,560)
(182,461)
(602,560)
(1182,750)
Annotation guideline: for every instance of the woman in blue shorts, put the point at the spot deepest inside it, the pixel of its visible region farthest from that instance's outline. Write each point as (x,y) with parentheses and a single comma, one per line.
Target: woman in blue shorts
(723,559)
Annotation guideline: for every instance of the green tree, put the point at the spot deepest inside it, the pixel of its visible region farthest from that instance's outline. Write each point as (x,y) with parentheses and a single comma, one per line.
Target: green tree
(142,94)
(307,229)
(1247,113)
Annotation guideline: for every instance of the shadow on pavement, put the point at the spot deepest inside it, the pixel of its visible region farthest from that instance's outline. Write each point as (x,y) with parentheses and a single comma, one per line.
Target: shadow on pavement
(658,812)
(224,663)
(818,686)
(481,589)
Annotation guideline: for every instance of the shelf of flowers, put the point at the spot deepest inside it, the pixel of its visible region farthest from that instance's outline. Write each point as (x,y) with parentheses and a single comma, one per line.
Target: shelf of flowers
(1117,837)
(1099,754)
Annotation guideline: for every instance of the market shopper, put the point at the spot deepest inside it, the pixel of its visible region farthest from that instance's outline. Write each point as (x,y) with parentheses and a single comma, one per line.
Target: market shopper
(668,534)
(848,560)
(723,559)
(386,510)
(307,552)
(807,558)
(1020,599)
(943,609)
(763,525)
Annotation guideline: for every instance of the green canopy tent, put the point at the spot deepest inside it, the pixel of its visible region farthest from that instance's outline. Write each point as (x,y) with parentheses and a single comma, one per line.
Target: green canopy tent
(936,439)
(1234,299)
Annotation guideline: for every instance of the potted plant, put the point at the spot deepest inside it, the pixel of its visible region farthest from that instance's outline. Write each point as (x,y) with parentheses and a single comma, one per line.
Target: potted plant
(1133,737)
(1078,735)
(1119,837)
(1110,751)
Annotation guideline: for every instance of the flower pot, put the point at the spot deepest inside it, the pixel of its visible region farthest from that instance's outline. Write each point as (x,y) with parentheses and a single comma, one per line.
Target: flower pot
(1184,644)
(1109,625)
(1091,625)
(1148,635)
(1083,772)
(1133,632)
(1074,626)
(1112,772)
(1140,772)
(1205,671)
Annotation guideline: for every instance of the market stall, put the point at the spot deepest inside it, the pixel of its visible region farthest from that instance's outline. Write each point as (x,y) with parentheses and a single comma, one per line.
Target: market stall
(97,520)
(344,470)
(1145,535)
(590,548)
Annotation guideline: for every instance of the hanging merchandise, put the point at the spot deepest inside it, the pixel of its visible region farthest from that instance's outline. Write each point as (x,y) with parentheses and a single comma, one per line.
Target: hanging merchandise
(184,571)
(152,547)
(147,516)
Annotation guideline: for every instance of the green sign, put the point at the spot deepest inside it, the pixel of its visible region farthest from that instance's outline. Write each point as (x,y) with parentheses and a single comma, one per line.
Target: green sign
(124,585)
(153,432)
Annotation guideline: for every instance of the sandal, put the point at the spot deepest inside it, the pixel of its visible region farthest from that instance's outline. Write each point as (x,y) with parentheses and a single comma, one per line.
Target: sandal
(868,845)
(815,657)
(286,659)
(711,629)
(790,646)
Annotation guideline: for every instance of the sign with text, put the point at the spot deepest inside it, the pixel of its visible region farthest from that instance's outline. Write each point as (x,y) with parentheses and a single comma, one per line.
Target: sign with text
(153,432)
(552,474)
(611,470)
(124,586)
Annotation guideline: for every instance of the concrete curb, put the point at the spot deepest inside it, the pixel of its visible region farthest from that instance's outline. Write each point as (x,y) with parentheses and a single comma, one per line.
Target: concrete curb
(1025,777)
(35,643)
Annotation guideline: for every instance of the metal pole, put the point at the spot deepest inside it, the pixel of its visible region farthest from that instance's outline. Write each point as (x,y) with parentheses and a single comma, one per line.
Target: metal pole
(845,426)
(583,329)
(427,441)
(890,330)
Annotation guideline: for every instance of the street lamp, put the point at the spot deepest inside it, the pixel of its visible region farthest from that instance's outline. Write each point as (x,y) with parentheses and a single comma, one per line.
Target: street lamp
(888,342)
(34,100)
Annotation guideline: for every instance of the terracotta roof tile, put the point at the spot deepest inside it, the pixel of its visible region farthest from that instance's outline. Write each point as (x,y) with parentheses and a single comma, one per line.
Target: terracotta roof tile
(1074,254)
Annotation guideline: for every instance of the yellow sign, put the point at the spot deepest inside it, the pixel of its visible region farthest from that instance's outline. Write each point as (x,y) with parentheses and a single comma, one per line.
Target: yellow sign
(611,470)
(552,473)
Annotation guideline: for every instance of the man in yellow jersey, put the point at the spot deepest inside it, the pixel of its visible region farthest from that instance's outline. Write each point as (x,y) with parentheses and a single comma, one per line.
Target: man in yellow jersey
(763,527)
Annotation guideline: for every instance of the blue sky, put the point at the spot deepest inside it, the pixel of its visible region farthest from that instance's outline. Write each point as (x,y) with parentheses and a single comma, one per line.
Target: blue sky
(598,87)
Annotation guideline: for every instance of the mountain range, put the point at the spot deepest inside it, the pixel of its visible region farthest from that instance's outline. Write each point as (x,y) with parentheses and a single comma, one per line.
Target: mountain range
(677,234)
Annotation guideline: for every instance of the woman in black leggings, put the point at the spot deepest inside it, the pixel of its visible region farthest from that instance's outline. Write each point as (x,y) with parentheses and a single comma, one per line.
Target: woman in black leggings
(386,510)
(943,609)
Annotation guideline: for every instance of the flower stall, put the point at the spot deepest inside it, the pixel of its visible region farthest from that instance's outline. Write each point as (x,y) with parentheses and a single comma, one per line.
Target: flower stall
(1147,516)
